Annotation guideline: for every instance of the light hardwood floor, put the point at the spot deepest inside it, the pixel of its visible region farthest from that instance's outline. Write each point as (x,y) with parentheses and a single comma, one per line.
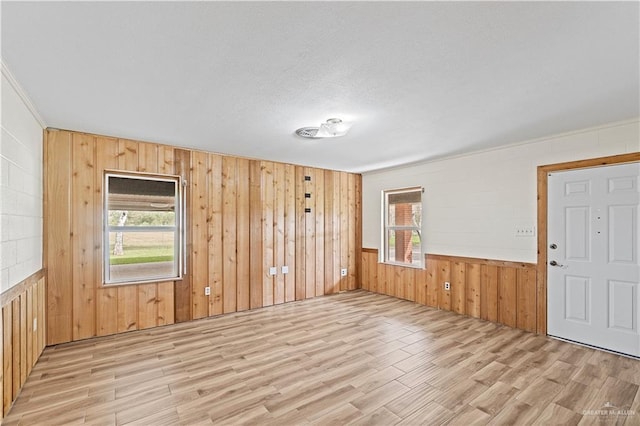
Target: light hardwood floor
(355,357)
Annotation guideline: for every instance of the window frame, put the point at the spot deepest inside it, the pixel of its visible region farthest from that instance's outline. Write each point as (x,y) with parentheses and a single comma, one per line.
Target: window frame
(383,257)
(178,229)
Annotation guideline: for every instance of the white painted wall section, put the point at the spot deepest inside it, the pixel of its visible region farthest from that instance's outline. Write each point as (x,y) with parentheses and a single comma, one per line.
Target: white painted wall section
(474,203)
(21,188)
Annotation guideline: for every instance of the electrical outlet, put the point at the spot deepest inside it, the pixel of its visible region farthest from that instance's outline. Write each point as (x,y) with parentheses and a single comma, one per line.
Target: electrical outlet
(285,269)
(447,285)
(343,272)
(273,271)
(207,291)
(35,324)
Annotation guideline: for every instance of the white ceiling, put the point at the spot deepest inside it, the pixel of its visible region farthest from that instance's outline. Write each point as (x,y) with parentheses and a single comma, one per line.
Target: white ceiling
(419,80)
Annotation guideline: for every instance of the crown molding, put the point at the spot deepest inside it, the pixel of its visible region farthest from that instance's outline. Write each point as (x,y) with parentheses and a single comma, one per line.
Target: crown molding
(22,94)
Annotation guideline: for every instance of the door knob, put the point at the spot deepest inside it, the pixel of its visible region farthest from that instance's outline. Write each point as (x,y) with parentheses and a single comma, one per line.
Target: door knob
(554,263)
(553,246)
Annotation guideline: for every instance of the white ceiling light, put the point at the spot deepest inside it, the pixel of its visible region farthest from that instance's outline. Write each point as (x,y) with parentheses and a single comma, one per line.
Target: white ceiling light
(334,127)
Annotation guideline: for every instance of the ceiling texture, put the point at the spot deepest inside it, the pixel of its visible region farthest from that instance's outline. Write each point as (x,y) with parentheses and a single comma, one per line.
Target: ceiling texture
(419,80)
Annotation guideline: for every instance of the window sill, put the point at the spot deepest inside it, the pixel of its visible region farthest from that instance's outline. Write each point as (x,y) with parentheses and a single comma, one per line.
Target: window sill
(404,265)
(140,282)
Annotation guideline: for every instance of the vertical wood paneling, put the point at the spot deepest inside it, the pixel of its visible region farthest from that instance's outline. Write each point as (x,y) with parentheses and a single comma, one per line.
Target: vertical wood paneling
(432,282)
(364,281)
(357,229)
(399,285)
(267,232)
(29,326)
(410,280)
(22,325)
(344,229)
(336,252)
(458,290)
(229,235)
(526,304)
(382,278)
(7,349)
(300,234)
(106,158)
(329,243)
(15,333)
(199,253)
(57,217)
(473,280)
(214,234)
(319,235)
(489,288)
(255,231)
(127,299)
(182,288)
(351,232)
(241,221)
(373,274)
(310,234)
(147,293)
(444,274)
(497,291)
(290,232)
(22,335)
(242,236)
(165,302)
(82,231)
(278,231)
(42,319)
(507,296)
(147,306)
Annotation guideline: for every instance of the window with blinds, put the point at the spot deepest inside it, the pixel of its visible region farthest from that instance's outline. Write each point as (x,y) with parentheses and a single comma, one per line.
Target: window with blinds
(142,233)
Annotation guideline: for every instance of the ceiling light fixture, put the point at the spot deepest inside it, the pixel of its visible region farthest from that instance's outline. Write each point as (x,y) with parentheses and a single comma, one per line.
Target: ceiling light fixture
(333,127)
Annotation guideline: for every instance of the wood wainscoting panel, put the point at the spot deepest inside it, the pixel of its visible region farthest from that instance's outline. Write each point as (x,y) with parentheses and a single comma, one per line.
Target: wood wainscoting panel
(22,330)
(57,240)
(494,290)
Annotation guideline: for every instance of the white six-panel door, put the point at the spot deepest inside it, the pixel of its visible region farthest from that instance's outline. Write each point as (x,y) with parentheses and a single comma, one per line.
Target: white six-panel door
(593,267)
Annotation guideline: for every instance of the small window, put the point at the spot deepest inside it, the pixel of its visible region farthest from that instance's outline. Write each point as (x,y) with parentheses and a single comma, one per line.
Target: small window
(402,227)
(142,233)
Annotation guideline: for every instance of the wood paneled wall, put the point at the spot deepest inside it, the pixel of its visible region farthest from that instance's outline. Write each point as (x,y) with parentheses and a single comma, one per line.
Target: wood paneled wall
(497,291)
(22,326)
(243,217)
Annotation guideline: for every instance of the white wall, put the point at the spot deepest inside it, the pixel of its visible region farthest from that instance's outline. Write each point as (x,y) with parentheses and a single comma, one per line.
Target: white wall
(21,189)
(474,203)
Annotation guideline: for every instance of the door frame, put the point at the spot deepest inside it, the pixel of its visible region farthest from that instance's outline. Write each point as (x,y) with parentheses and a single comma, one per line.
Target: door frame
(541,267)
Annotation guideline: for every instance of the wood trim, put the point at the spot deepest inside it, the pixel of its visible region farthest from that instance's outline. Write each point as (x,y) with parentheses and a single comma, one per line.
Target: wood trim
(9,295)
(494,262)
(541,268)
(370,250)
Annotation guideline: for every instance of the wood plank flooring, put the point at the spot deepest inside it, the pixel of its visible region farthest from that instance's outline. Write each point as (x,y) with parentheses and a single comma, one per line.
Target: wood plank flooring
(351,358)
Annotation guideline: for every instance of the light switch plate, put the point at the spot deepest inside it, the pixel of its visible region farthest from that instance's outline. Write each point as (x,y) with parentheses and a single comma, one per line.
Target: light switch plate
(285,269)
(273,271)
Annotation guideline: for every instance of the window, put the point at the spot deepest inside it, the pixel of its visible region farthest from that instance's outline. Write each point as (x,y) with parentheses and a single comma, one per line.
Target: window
(402,227)
(142,232)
